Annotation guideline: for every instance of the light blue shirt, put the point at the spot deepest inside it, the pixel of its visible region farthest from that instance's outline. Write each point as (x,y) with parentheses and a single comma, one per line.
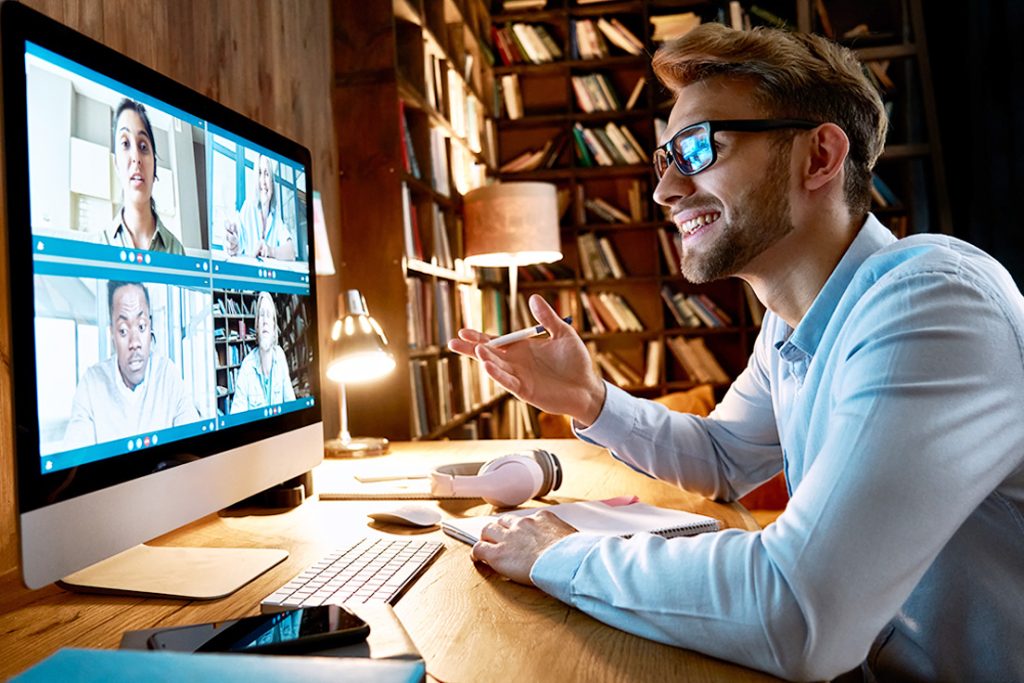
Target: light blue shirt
(251,230)
(896,411)
(253,389)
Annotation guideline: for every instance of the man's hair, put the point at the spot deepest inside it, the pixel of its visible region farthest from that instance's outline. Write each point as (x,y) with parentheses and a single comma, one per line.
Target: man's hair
(796,75)
(114,285)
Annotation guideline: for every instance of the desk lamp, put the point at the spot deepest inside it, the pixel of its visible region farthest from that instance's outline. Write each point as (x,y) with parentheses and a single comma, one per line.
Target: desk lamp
(358,354)
(512,224)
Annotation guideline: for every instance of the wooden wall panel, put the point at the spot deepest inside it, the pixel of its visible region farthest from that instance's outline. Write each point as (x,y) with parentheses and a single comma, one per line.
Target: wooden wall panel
(268,59)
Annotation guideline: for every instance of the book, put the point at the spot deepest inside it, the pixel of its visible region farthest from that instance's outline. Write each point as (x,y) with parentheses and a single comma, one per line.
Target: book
(635,95)
(138,665)
(512,96)
(652,367)
(669,26)
(408,151)
(628,43)
(608,518)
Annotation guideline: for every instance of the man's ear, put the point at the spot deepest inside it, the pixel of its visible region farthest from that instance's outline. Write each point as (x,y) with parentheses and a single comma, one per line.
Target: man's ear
(827,149)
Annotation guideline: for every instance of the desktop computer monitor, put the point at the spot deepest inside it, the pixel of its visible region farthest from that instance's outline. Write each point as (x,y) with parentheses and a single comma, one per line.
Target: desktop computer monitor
(163,310)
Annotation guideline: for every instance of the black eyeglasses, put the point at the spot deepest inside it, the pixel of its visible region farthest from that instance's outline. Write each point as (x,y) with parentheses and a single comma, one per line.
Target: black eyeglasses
(692,149)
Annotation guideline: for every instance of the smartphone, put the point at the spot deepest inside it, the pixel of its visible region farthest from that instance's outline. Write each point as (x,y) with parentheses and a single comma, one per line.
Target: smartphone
(296,631)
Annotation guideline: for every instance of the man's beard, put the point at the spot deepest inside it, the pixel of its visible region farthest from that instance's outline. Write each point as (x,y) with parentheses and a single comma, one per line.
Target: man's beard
(761,219)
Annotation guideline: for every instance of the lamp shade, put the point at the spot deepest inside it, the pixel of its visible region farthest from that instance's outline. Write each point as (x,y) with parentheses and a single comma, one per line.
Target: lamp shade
(358,351)
(512,224)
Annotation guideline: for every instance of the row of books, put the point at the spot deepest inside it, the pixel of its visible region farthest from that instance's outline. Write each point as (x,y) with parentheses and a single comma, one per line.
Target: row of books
(432,316)
(589,38)
(598,258)
(447,92)
(532,159)
(234,306)
(637,198)
(697,361)
(564,301)
(611,145)
(444,388)
(550,272)
(609,312)
(594,92)
(231,355)
(441,249)
(519,43)
(612,366)
(694,310)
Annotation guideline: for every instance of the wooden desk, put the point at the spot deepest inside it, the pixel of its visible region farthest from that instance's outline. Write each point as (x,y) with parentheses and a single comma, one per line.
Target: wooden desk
(469,623)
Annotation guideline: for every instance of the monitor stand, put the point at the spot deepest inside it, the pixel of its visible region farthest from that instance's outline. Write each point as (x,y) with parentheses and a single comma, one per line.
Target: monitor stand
(171,572)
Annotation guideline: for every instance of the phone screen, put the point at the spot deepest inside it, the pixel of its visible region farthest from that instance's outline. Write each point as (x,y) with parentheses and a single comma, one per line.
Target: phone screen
(305,629)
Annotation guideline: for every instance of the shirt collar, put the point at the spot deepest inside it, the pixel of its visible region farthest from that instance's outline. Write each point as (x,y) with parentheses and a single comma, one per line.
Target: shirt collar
(805,338)
(120,232)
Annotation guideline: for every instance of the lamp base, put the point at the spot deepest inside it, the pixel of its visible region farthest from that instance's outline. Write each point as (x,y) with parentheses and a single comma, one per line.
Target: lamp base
(356,447)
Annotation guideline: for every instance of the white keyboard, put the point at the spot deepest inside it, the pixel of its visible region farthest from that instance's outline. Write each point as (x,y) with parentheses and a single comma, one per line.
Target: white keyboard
(371,570)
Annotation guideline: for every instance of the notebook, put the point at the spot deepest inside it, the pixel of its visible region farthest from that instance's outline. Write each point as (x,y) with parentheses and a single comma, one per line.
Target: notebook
(599,517)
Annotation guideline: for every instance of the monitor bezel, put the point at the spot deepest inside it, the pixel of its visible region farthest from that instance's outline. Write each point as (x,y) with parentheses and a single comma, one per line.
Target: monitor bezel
(18,25)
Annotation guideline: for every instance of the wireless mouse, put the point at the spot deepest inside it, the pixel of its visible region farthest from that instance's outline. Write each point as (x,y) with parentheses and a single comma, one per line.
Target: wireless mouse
(409,515)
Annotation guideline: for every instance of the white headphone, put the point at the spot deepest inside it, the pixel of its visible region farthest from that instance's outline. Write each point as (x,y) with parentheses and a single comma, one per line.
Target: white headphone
(503,482)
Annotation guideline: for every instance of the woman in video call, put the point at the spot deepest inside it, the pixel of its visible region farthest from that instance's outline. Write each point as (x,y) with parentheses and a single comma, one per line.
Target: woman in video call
(136,224)
(260,231)
(263,378)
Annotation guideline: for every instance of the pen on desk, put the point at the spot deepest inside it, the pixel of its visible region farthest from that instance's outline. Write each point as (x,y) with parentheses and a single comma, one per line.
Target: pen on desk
(519,335)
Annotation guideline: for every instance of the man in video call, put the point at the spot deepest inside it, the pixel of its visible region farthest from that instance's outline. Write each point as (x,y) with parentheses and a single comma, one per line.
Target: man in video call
(134,391)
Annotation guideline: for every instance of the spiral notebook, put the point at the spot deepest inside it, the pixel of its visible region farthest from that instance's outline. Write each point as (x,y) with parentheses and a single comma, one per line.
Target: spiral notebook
(599,517)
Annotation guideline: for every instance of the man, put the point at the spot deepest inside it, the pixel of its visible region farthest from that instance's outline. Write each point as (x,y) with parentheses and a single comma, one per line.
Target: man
(263,378)
(886,383)
(134,391)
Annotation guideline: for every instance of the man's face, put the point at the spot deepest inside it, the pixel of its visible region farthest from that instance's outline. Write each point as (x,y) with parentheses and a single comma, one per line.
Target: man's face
(129,328)
(730,213)
(267,328)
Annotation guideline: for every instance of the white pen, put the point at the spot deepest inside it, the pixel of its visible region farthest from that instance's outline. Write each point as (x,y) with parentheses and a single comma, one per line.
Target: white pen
(520,335)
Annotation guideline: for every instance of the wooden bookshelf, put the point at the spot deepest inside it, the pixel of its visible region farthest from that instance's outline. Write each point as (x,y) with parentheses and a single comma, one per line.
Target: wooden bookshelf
(409,151)
(413,102)
(892,37)
(553,107)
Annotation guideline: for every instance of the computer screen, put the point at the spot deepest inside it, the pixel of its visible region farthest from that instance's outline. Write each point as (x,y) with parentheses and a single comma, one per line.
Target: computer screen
(163,307)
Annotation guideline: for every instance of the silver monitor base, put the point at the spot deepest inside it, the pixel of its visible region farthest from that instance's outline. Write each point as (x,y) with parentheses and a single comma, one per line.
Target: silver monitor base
(189,573)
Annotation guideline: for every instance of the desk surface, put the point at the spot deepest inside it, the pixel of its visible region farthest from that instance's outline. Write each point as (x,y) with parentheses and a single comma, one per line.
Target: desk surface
(469,623)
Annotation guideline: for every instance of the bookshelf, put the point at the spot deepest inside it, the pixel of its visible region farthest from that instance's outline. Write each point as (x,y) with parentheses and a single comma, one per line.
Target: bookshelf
(889,37)
(433,97)
(625,256)
(234,335)
(413,102)
(615,266)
